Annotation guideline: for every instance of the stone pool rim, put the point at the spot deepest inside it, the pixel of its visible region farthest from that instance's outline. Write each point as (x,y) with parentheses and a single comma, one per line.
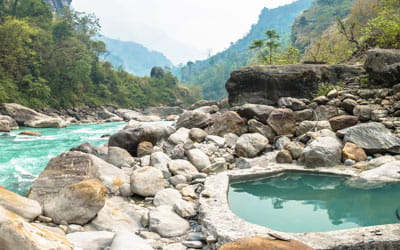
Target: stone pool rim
(219,221)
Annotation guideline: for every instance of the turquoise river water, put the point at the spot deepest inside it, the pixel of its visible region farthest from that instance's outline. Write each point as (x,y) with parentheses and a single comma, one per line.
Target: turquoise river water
(23,158)
(299,203)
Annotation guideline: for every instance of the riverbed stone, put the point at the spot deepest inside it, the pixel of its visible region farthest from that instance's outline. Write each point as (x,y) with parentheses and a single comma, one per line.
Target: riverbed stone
(118,215)
(295,148)
(387,172)
(284,156)
(193,119)
(372,137)
(306,126)
(322,152)
(185,209)
(11,122)
(77,203)
(197,135)
(182,167)
(231,139)
(167,197)
(325,112)
(250,145)
(282,121)
(180,136)
(73,167)
(24,207)
(291,103)
(5,126)
(255,111)
(304,115)
(160,160)
(353,152)
(263,129)
(228,122)
(147,181)
(118,157)
(17,234)
(129,241)
(145,148)
(342,122)
(166,223)
(199,159)
(93,240)
(377,162)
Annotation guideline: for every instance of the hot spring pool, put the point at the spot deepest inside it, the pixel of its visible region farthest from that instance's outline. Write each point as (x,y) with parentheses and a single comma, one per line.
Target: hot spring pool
(297,203)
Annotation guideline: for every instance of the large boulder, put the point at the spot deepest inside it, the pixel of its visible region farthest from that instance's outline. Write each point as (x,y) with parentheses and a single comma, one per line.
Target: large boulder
(27,208)
(258,242)
(193,119)
(166,223)
(119,157)
(383,67)
(322,152)
(73,167)
(282,121)
(266,84)
(17,234)
(30,118)
(228,122)
(372,137)
(129,139)
(77,203)
(147,181)
(250,145)
(11,122)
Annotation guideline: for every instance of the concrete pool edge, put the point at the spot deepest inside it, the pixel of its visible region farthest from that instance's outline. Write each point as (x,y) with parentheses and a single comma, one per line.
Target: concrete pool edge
(219,221)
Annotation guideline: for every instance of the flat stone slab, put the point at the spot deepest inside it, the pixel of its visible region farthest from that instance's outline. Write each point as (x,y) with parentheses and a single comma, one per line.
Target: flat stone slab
(219,221)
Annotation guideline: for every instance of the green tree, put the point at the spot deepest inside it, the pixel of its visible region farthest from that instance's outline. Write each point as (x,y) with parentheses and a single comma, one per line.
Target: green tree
(266,48)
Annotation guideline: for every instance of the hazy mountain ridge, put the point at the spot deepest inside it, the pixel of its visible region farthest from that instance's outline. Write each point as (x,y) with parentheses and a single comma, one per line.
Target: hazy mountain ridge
(212,73)
(133,57)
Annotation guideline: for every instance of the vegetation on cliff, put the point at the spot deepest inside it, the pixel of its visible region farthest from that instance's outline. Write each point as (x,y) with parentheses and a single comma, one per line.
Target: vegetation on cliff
(52,60)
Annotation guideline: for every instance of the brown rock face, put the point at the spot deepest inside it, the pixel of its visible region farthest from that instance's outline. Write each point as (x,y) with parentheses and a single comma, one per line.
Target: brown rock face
(343,121)
(266,84)
(353,152)
(282,121)
(144,148)
(228,122)
(260,243)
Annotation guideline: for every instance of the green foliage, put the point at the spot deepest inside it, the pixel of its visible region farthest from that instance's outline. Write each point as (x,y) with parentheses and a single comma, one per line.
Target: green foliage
(265,48)
(324,89)
(51,59)
(384,30)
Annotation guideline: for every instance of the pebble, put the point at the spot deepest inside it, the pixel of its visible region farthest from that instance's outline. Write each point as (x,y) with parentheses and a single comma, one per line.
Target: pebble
(349,162)
(193,244)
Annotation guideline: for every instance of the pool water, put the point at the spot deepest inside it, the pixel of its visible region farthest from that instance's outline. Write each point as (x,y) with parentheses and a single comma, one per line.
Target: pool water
(23,158)
(297,203)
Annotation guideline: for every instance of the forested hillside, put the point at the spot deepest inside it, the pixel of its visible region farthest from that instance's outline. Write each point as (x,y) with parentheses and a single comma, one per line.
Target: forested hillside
(211,74)
(52,60)
(133,57)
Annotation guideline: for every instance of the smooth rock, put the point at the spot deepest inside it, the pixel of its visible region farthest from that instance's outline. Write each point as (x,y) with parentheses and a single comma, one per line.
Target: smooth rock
(147,181)
(166,223)
(119,157)
(5,126)
(377,162)
(17,234)
(178,179)
(250,145)
(352,152)
(144,148)
(282,121)
(284,156)
(228,122)
(291,103)
(199,159)
(349,105)
(118,215)
(364,112)
(383,66)
(129,241)
(219,141)
(342,122)
(180,136)
(307,126)
(258,127)
(185,209)
(193,119)
(95,240)
(255,111)
(167,197)
(387,172)
(231,139)
(24,207)
(182,167)
(372,137)
(325,112)
(197,135)
(295,148)
(322,152)
(175,246)
(160,160)
(304,115)
(77,203)
(11,122)
(30,133)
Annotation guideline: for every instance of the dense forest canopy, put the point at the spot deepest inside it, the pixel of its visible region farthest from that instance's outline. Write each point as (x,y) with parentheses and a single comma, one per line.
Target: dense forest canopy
(52,60)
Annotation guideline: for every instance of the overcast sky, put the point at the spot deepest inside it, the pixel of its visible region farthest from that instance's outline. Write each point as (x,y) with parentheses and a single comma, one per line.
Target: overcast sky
(181,29)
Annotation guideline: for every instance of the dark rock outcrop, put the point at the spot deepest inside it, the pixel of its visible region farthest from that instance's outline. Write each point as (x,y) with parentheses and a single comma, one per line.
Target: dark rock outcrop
(266,84)
(383,67)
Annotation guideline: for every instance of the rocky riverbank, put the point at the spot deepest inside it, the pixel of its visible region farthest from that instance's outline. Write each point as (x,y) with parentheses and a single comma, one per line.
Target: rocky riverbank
(142,190)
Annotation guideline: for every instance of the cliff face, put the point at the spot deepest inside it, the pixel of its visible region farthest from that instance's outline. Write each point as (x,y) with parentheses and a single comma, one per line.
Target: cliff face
(57,5)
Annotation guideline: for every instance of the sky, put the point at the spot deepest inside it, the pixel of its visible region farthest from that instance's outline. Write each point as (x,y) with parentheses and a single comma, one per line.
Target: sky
(181,29)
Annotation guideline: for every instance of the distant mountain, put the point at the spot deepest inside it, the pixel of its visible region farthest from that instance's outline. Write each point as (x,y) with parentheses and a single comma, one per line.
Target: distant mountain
(212,73)
(133,57)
